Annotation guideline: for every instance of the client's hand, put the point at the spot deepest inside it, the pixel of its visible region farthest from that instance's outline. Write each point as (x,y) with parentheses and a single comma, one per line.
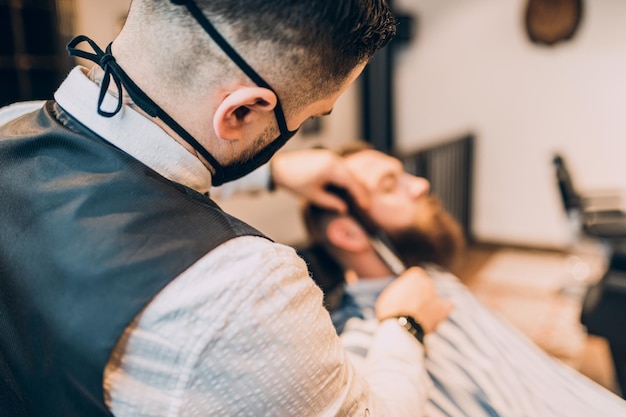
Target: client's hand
(413,294)
(307,172)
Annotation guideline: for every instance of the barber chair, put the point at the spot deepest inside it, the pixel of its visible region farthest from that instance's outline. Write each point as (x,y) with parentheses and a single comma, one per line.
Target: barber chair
(599,215)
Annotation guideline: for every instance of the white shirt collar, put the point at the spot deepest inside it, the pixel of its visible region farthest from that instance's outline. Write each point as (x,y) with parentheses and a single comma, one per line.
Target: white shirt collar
(132,132)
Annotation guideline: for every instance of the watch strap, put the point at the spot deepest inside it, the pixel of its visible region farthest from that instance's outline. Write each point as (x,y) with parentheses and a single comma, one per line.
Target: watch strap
(413,327)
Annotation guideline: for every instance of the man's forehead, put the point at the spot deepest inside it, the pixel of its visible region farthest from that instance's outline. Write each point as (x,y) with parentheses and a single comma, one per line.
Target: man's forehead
(369,166)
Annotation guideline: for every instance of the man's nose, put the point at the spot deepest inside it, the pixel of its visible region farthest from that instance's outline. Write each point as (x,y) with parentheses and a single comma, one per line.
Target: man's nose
(417,186)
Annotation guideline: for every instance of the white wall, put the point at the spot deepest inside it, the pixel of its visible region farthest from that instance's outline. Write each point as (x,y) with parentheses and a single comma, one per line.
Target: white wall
(471,67)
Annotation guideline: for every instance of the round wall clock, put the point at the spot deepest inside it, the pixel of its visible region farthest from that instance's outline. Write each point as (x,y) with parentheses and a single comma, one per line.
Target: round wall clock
(552,21)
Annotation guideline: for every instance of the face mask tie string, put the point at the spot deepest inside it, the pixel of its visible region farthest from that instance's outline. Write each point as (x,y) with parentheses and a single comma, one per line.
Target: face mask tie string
(208,27)
(112,70)
(104,60)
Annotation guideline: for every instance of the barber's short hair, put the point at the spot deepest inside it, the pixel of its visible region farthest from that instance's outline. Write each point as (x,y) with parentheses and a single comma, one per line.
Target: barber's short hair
(314,44)
(342,33)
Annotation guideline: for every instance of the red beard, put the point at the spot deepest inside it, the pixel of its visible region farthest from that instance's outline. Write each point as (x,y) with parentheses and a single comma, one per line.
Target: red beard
(435,237)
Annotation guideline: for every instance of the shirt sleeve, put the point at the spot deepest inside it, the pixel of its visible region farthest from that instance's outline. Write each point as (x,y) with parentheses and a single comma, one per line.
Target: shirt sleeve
(244,332)
(13,111)
(394,368)
(374,350)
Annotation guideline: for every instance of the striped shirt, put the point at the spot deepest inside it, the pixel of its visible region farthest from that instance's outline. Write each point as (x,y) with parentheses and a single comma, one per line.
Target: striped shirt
(479,364)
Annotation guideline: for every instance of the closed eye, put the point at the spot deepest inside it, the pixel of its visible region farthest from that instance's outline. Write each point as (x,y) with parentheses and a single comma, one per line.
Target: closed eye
(388,183)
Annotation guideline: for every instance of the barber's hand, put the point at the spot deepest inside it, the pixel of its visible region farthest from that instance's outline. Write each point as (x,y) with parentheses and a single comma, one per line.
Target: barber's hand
(307,172)
(413,294)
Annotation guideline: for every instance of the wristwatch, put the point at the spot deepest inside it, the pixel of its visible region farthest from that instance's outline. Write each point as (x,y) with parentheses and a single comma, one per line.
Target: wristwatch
(412,326)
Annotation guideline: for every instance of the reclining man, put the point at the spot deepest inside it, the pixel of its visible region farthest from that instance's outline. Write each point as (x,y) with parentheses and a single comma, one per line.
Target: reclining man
(478,364)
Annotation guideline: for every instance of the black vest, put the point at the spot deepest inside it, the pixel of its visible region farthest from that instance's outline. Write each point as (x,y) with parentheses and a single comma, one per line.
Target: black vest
(88,237)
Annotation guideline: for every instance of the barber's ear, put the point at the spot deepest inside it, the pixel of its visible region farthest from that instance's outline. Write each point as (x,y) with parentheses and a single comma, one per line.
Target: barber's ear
(346,234)
(240,109)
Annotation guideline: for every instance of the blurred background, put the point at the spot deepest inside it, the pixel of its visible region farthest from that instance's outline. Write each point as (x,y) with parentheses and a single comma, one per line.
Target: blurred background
(478,96)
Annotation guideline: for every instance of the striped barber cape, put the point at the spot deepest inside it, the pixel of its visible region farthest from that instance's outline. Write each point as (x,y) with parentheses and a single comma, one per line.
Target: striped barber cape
(479,365)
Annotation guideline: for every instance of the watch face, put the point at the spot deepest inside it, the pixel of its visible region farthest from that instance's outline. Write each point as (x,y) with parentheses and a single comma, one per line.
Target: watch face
(552,21)
(412,327)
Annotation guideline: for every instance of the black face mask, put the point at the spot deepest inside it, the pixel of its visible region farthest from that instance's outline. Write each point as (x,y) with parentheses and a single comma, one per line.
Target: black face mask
(113,71)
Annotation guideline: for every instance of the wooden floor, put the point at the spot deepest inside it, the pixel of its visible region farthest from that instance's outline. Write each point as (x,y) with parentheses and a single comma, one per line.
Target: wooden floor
(595,359)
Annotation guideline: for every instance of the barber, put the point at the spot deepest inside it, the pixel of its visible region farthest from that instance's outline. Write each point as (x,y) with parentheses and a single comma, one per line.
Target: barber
(124,289)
